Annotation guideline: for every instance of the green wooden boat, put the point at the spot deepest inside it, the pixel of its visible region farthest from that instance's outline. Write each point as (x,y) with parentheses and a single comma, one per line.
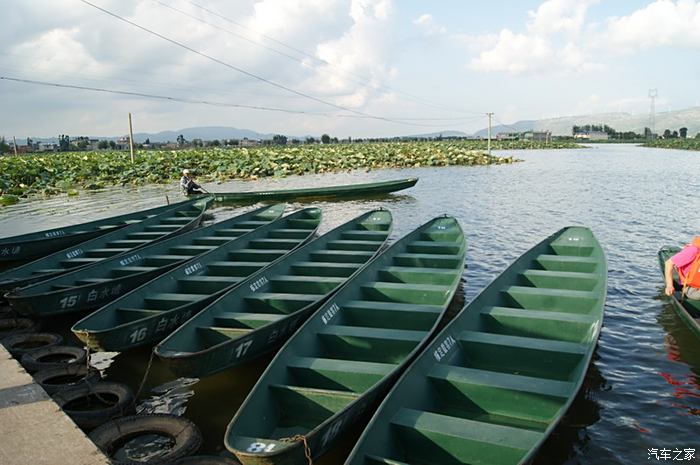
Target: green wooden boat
(178,219)
(334,371)
(149,313)
(38,244)
(329,192)
(96,285)
(495,382)
(687,309)
(261,313)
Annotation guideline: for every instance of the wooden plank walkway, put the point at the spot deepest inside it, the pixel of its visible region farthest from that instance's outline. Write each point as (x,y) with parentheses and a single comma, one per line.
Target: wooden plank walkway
(33,430)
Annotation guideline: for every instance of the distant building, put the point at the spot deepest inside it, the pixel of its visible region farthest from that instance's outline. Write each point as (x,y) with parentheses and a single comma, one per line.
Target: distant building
(508,136)
(47,147)
(534,136)
(538,136)
(591,135)
(249,142)
(86,142)
(123,143)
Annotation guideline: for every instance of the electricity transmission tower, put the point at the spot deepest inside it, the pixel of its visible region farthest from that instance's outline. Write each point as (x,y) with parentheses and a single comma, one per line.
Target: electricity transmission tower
(653,93)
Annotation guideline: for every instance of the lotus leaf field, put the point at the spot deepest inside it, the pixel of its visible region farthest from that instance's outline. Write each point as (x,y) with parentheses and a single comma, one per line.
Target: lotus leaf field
(680,144)
(65,172)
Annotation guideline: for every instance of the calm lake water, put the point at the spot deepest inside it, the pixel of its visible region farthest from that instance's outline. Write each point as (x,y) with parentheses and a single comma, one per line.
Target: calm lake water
(642,390)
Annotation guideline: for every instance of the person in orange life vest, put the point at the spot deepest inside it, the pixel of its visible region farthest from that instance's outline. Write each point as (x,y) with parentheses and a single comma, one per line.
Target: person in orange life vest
(687,262)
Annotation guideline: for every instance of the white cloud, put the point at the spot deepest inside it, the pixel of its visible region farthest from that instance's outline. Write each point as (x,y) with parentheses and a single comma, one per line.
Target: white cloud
(46,40)
(429,26)
(358,60)
(661,23)
(554,16)
(515,53)
(538,50)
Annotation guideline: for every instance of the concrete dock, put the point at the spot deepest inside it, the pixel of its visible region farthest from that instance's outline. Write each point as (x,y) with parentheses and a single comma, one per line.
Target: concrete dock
(33,430)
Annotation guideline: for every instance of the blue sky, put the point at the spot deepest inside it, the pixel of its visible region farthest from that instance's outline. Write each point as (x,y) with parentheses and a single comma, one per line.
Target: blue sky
(369,68)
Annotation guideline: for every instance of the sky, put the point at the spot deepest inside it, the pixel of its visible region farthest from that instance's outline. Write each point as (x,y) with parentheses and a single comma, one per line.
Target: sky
(358,68)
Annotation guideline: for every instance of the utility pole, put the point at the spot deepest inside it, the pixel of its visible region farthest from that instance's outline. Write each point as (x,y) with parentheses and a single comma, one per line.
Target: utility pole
(131,139)
(14,144)
(489,142)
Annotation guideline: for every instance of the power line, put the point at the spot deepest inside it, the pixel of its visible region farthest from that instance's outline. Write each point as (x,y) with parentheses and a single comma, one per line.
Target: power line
(197,102)
(359,79)
(236,68)
(157,97)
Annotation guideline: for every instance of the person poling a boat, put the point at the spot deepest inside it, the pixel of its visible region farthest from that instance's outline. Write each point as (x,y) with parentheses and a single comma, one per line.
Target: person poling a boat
(188,185)
(687,262)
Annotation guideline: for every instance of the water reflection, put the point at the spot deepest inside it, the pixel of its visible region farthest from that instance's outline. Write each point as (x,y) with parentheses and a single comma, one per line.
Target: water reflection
(169,398)
(571,436)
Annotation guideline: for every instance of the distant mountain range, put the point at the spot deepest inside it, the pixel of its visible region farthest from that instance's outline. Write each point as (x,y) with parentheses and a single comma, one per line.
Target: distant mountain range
(204,133)
(673,120)
(434,135)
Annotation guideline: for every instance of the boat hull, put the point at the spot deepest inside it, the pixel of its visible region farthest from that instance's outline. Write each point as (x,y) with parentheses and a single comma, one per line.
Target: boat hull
(35,245)
(495,382)
(332,373)
(187,216)
(330,192)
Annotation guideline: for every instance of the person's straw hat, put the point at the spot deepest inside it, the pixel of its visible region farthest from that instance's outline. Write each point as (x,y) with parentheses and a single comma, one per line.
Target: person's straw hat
(185,171)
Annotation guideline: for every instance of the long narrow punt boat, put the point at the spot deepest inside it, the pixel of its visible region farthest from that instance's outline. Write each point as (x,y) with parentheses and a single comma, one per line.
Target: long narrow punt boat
(96,285)
(38,244)
(150,312)
(261,313)
(176,220)
(348,190)
(337,367)
(497,380)
(688,310)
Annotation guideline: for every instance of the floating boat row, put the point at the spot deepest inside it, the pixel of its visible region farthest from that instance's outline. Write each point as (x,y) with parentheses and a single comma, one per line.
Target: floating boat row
(264,310)
(95,285)
(356,325)
(150,312)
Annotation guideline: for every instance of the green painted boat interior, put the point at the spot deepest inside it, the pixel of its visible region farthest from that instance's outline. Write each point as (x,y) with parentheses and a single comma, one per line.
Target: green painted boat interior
(187,285)
(170,222)
(292,287)
(687,309)
(353,347)
(164,254)
(497,379)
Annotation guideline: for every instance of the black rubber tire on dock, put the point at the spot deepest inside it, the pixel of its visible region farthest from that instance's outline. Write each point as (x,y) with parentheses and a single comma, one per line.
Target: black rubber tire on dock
(185,435)
(53,357)
(73,375)
(10,326)
(206,460)
(116,398)
(16,344)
